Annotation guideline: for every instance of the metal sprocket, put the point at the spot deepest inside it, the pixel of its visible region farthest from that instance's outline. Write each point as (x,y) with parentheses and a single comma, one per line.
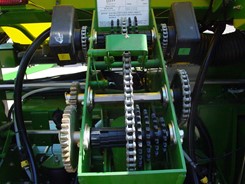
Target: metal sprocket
(74,91)
(182,95)
(148,135)
(139,137)
(164,30)
(68,146)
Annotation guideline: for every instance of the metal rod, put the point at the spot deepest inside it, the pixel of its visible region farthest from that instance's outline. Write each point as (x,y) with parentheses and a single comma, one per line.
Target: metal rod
(76,134)
(138,97)
(101,65)
(76,137)
(108,98)
(43,132)
(40,85)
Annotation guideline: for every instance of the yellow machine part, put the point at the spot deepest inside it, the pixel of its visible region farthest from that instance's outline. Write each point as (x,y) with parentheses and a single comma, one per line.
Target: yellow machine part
(18,37)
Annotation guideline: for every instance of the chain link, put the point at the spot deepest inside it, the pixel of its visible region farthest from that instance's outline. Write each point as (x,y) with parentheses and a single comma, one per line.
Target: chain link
(129,112)
(164,30)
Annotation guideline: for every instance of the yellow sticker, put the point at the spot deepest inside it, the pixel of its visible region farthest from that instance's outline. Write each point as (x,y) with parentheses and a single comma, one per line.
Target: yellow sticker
(204,180)
(64,57)
(24,163)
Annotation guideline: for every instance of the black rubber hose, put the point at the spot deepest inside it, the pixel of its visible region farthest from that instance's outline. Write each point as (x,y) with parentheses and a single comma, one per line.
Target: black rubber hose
(18,102)
(198,88)
(204,25)
(231,49)
(209,144)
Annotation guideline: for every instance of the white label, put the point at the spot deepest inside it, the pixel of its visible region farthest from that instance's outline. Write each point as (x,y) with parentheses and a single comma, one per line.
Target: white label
(117,9)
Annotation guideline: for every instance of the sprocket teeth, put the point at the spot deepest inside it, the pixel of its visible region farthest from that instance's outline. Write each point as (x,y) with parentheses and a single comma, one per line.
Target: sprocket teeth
(156,137)
(74,91)
(148,135)
(165,134)
(182,77)
(66,149)
(139,137)
(65,139)
(164,30)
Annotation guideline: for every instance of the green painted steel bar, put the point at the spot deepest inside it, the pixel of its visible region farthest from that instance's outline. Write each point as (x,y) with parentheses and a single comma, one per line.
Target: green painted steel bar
(101,83)
(101,65)
(83,161)
(97,52)
(171,108)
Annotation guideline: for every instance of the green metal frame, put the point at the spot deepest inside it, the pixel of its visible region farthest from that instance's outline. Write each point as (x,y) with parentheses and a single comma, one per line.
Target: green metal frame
(175,173)
(226,129)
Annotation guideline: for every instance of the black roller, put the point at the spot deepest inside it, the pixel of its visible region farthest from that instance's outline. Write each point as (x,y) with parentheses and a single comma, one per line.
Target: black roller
(109,137)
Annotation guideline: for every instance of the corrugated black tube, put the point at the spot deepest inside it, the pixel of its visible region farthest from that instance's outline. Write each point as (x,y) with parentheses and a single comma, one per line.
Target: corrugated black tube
(230,50)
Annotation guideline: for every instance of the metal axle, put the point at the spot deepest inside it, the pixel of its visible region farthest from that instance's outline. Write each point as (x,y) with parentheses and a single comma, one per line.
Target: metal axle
(108,98)
(40,85)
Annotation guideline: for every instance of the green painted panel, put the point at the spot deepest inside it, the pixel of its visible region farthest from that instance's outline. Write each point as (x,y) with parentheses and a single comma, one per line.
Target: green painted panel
(135,43)
(149,177)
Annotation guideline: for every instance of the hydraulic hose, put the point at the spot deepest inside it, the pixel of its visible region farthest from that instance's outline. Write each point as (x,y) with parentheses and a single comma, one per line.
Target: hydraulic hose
(209,144)
(18,101)
(198,88)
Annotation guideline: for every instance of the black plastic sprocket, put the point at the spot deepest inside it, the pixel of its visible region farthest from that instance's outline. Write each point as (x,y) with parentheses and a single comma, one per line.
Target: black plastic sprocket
(148,135)
(156,136)
(139,136)
(165,134)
